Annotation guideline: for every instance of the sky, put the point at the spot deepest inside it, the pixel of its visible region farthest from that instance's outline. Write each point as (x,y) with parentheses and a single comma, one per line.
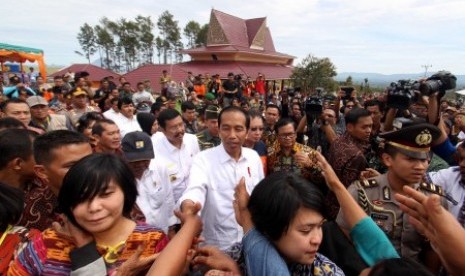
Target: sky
(383,36)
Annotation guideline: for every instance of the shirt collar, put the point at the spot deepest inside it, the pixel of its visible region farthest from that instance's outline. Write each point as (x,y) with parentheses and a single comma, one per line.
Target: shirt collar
(170,146)
(225,157)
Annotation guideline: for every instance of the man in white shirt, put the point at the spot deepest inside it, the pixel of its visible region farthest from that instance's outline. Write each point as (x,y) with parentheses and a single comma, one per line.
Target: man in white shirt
(155,197)
(215,173)
(175,149)
(126,120)
(452,181)
(113,112)
(142,96)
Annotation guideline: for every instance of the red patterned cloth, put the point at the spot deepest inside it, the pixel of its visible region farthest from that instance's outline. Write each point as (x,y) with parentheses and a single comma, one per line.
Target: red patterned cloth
(13,243)
(48,253)
(347,157)
(39,206)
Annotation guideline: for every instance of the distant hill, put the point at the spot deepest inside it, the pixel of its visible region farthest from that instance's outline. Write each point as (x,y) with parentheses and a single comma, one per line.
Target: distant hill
(381,80)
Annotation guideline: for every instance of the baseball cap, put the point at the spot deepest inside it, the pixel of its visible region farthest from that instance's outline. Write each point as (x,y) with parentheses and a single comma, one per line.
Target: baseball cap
(36,100)
(137,146)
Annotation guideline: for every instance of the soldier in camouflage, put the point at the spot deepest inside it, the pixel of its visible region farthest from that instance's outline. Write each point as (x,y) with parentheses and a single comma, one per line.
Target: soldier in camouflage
(208,138)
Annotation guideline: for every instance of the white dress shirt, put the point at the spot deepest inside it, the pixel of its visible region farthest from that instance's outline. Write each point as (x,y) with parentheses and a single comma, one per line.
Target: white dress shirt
(127,125)
(178,162)
(111,114)
(214,175)
(449,179)
(155,198)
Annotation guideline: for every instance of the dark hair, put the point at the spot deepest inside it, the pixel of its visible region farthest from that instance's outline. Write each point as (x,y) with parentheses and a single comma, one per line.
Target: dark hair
(146,121)
(273,106)
(91,176)
(12,101)
(187,106)
(237,109)
(98,128)
(125,83)
(284,122)
(298,104)
(46,143)
(124,100)
(355,114)
(140,83)
(374,103)
(166,115)
(398,266)
(85,120)
(276,199)
(113,100)
(58,77)
(256,114)
(15,143)
(10,122)
(11,205)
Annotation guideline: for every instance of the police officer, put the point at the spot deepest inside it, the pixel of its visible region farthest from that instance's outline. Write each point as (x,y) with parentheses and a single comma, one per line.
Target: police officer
(209,137)
(406,155)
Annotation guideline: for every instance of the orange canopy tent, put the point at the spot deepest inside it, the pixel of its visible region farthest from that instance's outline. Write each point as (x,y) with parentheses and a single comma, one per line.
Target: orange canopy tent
(22,54)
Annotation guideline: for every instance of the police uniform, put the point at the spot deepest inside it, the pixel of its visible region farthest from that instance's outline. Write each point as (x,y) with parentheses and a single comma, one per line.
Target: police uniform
(206,140)
(376,197)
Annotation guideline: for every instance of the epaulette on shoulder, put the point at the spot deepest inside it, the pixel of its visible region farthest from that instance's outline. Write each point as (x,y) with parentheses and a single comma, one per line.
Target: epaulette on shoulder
(432,188)
(369,183)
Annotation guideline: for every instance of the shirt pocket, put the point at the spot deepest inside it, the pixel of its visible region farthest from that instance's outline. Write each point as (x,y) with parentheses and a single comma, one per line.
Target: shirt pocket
(156,196)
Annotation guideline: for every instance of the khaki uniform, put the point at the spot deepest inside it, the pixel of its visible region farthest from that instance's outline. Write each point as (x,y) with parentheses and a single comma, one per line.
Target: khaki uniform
(376,198)
(207,141)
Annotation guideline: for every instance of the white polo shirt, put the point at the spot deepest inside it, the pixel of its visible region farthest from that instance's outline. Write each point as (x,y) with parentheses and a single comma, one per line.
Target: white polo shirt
(178,162)
(111,114)
(449,179)
(155,198)
(126,125)
(214,175)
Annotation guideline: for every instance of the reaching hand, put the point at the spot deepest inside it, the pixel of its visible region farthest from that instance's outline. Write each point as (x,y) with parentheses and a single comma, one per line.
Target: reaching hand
(136,265)
(71,231)
(215,259)
(446,235)
(241,199)
(369,173)
(328,173)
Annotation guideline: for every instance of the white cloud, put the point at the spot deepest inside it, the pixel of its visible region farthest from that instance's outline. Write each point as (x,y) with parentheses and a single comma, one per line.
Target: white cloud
(359,35)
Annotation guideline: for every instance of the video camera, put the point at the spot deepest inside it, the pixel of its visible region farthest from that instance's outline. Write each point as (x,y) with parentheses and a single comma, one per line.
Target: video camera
(402,93)
(314,105)
(441,81)
(347,92)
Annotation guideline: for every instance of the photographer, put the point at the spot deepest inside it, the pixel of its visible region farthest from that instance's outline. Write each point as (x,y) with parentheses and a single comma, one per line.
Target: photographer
(321,132)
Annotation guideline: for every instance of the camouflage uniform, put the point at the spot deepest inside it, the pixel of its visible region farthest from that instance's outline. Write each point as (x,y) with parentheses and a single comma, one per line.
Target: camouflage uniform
(207,141)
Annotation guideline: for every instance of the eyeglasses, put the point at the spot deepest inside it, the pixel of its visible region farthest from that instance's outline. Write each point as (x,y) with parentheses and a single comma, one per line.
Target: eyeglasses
(286,135)
(256,128)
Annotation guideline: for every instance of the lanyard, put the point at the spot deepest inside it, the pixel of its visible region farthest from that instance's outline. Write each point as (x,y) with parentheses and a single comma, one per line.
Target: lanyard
(5,233)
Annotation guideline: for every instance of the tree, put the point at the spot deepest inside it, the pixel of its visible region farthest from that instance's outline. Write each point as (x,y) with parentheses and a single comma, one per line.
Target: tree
(202,36)
(349,81)
(105,42)
(191,31)
(86,38)
(314,72)
(147,39)
(170,35)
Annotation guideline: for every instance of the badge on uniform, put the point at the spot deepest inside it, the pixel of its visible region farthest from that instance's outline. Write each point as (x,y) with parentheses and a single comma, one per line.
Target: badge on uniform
(172,177)
(386,193)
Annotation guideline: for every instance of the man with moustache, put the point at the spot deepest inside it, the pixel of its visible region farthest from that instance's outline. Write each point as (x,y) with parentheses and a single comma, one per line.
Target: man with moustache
(174,148)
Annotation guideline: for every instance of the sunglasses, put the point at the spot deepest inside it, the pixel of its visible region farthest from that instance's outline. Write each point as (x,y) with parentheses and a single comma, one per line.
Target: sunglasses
(257,128)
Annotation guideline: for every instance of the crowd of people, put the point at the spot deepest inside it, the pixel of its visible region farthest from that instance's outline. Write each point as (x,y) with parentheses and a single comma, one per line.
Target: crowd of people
(226,177)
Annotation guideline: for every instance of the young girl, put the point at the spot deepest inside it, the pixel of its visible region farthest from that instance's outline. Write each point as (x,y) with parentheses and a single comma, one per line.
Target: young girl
(97,195)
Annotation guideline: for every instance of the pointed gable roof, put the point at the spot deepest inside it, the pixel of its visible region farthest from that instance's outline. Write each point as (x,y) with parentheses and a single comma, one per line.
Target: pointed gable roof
(233,28)
(253,27)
